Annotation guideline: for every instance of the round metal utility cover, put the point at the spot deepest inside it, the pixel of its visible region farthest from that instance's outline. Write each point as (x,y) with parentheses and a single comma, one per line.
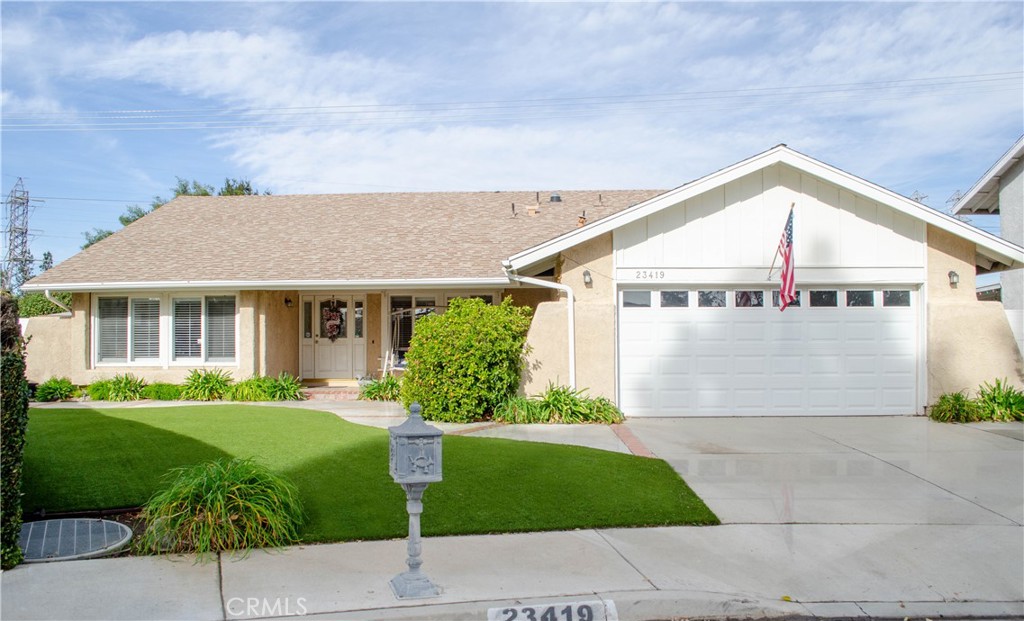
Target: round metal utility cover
(67,539)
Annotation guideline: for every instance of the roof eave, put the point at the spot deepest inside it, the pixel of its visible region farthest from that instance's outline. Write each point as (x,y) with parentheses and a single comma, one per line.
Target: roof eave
(976,199)
(273,285)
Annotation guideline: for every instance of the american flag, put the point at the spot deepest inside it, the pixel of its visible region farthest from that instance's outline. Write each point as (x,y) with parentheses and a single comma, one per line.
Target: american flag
(787,291)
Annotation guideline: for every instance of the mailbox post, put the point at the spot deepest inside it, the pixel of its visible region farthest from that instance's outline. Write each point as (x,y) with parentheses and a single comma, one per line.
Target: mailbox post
(415,457)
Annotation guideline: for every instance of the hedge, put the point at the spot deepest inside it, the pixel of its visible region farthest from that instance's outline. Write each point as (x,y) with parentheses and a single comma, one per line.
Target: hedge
(14,415)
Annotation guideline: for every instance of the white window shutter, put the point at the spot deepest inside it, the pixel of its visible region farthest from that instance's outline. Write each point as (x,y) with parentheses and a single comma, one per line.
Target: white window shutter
(188,326)
(220,328)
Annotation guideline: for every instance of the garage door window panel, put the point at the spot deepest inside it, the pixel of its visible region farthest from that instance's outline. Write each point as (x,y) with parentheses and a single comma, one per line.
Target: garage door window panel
(711,299)
(824,299)
(675,299)
(794,303)
(860,298)
(636,299)
(749,299)
(896,298)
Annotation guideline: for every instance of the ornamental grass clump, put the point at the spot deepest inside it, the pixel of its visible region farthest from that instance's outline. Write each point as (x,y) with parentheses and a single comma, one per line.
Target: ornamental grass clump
(387,388)
(234,504)
(284,387)
(252,389)
(955,407)
(125,387)
(55,389)
(206,385)
(1000,402)
(558,404)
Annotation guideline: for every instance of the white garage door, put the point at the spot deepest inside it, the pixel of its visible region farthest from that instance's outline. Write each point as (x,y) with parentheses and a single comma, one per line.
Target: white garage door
(724,352)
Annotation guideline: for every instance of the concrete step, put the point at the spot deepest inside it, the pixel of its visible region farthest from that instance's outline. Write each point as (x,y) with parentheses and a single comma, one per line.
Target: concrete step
(331,393)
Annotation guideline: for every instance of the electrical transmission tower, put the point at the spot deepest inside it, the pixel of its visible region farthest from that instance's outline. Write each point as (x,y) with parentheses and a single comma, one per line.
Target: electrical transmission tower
(18,258)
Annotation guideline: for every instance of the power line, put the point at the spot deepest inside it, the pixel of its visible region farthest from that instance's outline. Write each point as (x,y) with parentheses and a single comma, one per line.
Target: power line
(510,110)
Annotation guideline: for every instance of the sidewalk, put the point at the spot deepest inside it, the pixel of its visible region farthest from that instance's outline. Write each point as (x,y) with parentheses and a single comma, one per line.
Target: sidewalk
(731,571)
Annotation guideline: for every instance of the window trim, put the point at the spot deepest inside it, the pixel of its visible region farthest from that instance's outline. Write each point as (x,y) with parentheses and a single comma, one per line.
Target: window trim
(165,360)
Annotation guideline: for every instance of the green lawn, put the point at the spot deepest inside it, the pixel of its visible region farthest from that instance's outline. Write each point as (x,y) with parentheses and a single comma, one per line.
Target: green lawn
(79,459)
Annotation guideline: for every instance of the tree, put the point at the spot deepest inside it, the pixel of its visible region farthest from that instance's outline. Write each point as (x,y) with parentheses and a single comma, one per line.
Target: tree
(95,235)
(184,187)
(47,261)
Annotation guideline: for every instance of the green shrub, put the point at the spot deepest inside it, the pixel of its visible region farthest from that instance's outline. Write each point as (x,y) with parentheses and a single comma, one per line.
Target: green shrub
(558,404)
(387,388)
(162,392)
(125,387)
(13,421)
(1000,402)
(234,504)
(36,304)
(55,389)
(284,387)
(252,389)
(206,385)
(465,362)
(98,390)
(955,407)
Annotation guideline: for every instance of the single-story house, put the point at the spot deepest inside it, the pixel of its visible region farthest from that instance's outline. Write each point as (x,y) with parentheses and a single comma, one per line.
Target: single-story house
(661,300)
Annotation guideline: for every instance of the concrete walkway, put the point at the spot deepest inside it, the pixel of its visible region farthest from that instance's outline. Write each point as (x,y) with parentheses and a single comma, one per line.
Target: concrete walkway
(846,517)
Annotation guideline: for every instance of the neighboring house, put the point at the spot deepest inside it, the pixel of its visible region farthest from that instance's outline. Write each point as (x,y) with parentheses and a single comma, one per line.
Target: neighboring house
(1000,191)
(672,312)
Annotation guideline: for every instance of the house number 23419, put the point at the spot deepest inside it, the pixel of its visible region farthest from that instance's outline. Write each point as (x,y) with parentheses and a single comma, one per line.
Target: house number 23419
(650,274)
(565,611)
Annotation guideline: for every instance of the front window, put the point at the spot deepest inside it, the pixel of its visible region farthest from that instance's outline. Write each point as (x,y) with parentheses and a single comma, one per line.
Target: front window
(112,330)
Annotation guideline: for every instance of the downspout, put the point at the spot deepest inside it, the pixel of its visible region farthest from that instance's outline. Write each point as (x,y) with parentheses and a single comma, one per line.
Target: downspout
(571,308)
(67,311)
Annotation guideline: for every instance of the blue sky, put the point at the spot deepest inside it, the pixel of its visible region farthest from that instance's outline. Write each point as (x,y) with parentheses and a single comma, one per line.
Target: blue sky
(104,104)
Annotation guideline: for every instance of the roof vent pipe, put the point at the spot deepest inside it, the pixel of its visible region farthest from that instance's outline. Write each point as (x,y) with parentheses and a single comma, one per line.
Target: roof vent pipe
(555,198)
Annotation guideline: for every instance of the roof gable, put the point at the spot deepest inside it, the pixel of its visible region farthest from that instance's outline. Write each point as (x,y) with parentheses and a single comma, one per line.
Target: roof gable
(990,247)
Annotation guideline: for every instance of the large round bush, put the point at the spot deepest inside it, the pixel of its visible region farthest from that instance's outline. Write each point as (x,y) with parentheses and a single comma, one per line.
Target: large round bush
(465,362)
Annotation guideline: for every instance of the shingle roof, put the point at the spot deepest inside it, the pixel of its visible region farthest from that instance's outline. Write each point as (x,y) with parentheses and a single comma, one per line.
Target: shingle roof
(338,237)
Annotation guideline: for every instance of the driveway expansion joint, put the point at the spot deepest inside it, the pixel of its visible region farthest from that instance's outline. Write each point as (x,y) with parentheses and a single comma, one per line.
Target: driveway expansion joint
(920,478)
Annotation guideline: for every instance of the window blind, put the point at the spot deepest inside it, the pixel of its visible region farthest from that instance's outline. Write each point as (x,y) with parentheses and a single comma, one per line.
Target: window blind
(188,329)
(145,329)
(112,342)
(220,328)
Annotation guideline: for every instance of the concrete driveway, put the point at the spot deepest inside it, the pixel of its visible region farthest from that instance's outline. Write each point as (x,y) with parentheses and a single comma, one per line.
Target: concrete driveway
(864,516)
(863,470)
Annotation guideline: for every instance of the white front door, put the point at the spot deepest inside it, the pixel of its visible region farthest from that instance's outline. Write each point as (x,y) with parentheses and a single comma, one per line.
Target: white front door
(333,337)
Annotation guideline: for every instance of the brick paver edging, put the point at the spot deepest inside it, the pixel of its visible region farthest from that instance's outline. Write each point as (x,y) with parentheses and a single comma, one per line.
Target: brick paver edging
(632,442)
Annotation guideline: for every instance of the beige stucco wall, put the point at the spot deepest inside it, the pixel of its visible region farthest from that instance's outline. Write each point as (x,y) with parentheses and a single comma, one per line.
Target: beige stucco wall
(278,333)
(45,356)
(969,342)
(595,325)
(529,296)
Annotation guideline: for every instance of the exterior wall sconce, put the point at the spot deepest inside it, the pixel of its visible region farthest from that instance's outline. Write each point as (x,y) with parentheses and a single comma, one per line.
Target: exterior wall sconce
(587,278)
(954,279)
(288,302)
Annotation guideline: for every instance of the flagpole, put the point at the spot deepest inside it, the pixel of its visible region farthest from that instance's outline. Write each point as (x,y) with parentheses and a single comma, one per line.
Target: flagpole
(769,277)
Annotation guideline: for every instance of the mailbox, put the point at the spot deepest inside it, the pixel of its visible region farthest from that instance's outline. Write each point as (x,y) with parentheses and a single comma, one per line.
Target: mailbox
(415,451)
(415,458)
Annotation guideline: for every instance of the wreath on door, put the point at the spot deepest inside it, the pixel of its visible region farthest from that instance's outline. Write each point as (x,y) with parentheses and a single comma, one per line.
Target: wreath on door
(330,316)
